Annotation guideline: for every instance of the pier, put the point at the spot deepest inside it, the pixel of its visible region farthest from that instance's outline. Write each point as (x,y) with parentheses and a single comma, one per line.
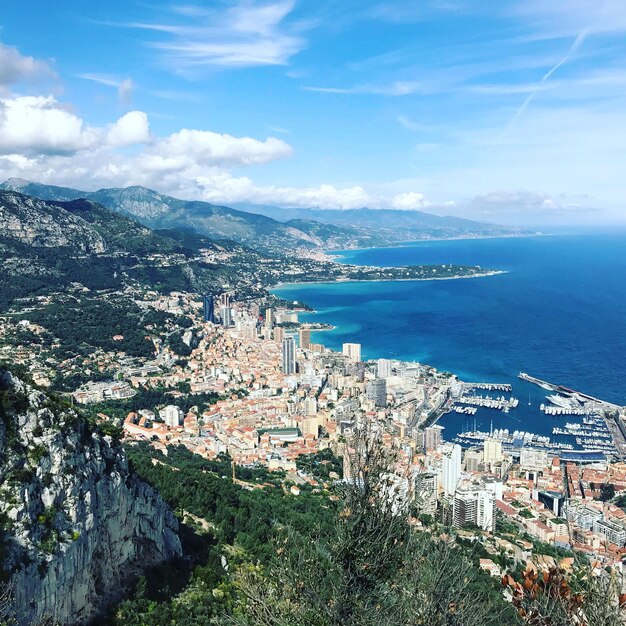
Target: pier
(566,390)
(490,386)
(601,418)
(465,410)
(555,410)
(502,403)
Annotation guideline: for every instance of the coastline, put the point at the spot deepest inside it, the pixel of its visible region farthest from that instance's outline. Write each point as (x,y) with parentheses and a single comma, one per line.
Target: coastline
(331,254)
(383,280)
(487,331)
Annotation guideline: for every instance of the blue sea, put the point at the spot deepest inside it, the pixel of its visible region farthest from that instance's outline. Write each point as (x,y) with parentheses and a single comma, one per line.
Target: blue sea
(558,313)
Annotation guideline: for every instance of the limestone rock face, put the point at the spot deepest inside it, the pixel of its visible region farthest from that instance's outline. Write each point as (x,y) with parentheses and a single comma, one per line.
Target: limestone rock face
(77,522)
(36,223)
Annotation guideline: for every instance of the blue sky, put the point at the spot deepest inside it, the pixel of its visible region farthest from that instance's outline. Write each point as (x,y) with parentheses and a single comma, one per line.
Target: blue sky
(512,112)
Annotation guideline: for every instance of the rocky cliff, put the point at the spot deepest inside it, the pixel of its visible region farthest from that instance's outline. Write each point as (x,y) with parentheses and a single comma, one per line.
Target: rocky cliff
(76,522)
(38,223)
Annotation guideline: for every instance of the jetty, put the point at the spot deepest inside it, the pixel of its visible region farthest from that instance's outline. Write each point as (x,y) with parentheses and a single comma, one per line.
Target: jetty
(502,403)
(609,406)
(490,386)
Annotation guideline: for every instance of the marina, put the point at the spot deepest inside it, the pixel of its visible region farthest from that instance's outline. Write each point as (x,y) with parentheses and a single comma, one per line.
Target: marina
(501,403)
(567,397)
(490,386)
(511,440)
(598,431)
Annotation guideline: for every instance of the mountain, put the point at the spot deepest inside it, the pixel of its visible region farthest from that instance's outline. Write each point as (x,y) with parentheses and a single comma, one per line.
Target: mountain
(218,222)
(39,190)
(77,523)
(37,223)
(270,228)
(221,222)
(49,245)
(81,225)
(392,225)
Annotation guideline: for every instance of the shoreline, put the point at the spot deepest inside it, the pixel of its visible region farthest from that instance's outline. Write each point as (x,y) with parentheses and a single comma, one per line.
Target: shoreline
(383,280)
(332,253)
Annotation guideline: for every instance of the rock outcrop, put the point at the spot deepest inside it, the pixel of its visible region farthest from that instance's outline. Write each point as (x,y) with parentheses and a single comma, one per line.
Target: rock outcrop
(77,523)
(42,224)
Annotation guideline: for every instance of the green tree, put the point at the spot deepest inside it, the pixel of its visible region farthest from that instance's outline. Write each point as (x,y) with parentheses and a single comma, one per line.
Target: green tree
(607,492)
(371,569)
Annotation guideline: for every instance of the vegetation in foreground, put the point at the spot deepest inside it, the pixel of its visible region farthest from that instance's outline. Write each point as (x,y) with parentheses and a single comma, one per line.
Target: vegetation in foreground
(259,556)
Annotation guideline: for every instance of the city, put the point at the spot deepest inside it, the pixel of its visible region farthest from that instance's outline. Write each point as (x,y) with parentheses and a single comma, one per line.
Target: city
(278,397)
(312,313)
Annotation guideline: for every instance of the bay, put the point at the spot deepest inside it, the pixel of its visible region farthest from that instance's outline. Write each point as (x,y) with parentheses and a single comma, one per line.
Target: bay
(558,313)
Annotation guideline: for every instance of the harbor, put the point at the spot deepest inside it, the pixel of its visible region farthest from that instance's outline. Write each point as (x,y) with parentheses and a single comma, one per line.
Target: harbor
(595,432)
(512,441)
(501,403)
(567,393)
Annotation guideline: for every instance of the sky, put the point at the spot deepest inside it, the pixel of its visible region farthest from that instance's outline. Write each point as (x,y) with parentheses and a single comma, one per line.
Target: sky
(508,112)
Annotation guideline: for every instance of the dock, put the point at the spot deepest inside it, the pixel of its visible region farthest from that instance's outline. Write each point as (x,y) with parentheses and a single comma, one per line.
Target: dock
(562,389)
(606,411)
(490,386)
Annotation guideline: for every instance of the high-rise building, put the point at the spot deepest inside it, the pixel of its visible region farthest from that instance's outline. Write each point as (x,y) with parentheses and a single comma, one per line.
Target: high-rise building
(269,318)
(172,415)
(250,331)
(376,391)
(226,314)
(533,459)
(474,504)
(451,467)
(552,500)
(492,452)
(352,351)
(431,437)
(383,368)
(289,356)
(279,334)
(464,508)
(225,299)
(305,338)
(473,459)
(208,308)
(486,510)
(310,406)
(426,492)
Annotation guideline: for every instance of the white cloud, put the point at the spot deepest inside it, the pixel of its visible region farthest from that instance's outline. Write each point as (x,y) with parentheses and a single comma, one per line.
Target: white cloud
(394,89)
(221,187)
(571,16)
(132,128)
(523,207)
(409,200)
(124,86)
(15,67)
(125,91)
(37,124)
(247,34)
(201,173)
(206,147)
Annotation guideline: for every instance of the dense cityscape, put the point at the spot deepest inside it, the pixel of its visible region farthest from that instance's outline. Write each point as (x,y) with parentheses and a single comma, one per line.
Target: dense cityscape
(276,397)
(312,313)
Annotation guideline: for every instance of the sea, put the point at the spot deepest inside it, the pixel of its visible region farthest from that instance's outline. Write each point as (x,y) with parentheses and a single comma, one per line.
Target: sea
(558,312)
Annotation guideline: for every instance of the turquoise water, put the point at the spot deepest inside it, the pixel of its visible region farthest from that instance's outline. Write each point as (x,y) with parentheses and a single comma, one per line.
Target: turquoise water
(559,313)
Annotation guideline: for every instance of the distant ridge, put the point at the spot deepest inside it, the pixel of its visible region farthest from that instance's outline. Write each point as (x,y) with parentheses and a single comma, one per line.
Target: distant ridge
(266,227)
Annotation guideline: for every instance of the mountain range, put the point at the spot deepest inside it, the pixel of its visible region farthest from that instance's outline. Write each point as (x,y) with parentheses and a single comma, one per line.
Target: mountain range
(265,227)
(48,245)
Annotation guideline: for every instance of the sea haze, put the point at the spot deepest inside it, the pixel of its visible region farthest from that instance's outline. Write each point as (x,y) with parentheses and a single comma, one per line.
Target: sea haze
(558,313)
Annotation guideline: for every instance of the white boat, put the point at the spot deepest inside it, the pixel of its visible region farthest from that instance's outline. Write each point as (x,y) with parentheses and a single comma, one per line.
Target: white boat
(564,403)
